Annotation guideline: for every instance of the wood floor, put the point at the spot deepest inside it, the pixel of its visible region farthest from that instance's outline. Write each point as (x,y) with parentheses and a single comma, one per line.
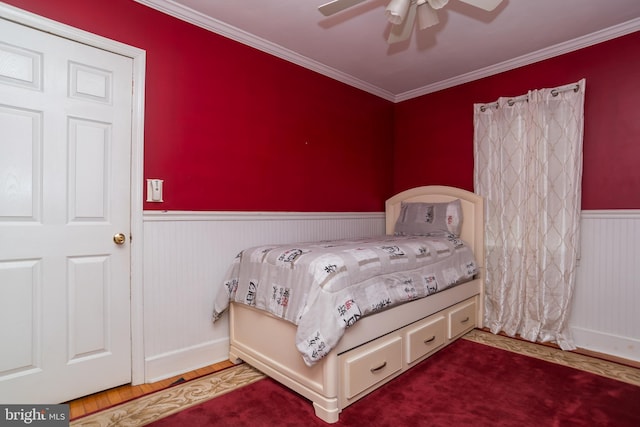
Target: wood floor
(105,399)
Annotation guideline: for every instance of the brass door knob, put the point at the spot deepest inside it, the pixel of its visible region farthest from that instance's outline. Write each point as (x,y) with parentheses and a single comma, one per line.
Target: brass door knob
(119,238)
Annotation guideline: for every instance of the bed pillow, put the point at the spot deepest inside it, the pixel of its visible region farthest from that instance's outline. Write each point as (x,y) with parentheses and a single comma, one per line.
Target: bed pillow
(429,218)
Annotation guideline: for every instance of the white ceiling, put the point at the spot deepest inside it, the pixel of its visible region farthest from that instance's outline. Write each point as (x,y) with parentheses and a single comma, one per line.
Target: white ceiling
(469,43)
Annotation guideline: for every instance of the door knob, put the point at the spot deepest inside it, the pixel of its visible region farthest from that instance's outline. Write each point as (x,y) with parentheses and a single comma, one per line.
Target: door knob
(119,238)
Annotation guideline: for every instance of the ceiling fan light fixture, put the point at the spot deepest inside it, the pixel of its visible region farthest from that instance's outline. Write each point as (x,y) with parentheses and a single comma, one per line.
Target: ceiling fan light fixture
(437,4)
(427,16)
(403,14)
(397,10)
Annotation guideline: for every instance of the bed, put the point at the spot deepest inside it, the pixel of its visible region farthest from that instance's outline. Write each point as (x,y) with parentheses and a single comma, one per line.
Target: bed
(379,346)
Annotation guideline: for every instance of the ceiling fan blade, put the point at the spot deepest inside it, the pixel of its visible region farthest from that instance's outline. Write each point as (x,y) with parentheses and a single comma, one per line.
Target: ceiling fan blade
(437,4)
(487,5)
(402,31)
(336,6)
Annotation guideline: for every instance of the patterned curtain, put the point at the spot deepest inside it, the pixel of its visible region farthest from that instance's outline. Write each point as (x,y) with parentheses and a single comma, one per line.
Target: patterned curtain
(528,167)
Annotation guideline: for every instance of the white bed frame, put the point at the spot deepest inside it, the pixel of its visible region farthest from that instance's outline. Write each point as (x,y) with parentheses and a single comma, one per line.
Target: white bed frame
(377,348)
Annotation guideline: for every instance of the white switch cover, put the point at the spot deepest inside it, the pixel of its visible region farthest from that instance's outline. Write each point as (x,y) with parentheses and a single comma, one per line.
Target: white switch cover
(154,190)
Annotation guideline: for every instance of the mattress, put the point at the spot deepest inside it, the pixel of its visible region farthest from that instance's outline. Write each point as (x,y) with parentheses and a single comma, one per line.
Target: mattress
(325,287)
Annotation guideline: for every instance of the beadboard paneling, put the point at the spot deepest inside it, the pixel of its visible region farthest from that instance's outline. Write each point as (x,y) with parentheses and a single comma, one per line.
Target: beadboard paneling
(186,257)
(605,315)
(187,254)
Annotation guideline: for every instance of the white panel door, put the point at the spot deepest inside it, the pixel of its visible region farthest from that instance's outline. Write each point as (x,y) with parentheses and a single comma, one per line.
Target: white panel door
(65,148)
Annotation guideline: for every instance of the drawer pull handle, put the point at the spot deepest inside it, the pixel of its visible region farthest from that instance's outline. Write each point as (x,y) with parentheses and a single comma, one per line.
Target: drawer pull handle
(430,340)
(374,370)
(465,320)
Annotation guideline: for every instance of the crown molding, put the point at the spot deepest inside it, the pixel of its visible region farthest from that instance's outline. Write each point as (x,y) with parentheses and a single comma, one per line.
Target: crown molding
(196,18)
(540,55)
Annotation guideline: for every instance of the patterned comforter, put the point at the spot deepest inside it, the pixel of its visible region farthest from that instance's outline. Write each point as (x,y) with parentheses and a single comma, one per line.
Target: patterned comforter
(325,287)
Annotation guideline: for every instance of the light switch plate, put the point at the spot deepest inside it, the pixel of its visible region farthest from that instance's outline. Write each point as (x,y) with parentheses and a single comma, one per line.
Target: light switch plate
(154,190)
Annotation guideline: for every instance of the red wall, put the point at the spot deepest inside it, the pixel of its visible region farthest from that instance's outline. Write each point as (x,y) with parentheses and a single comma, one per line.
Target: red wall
(229,127)
(434,133)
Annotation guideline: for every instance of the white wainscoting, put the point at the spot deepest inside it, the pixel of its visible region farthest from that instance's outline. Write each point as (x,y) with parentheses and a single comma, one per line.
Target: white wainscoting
(186,255)
(606,309)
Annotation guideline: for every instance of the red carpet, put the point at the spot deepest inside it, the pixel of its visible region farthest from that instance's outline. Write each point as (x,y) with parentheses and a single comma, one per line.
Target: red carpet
(465,384)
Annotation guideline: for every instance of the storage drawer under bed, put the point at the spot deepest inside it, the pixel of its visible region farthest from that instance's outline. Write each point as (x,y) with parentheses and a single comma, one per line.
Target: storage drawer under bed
(462,318)
(425,338)
(366,367)
(372,363)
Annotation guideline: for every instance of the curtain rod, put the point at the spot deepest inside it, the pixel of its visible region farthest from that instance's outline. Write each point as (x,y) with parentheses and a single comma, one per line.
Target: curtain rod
(511,101)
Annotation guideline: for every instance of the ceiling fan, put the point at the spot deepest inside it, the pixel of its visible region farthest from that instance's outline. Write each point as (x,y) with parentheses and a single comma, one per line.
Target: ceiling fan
(402,13)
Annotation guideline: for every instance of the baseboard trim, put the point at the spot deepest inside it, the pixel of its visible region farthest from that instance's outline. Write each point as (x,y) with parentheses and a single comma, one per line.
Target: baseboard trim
(583,351)
(186,359)
(622,350)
